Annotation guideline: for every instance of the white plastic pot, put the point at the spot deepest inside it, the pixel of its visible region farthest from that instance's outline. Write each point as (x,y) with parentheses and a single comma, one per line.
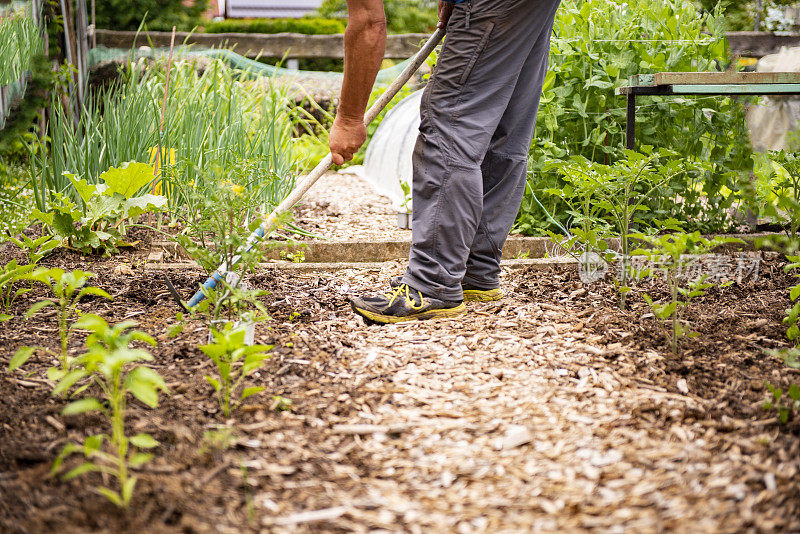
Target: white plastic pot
(404,220)
(249,330)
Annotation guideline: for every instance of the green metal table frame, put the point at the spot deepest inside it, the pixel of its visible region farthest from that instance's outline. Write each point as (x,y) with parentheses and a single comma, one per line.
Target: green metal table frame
(648,85)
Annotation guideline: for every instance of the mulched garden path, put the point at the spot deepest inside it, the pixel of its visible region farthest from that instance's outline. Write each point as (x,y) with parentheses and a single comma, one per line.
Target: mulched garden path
(342,206)
(550,410)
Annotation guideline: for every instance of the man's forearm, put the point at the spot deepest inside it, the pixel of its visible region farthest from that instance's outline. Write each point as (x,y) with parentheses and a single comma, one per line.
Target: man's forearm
(365,45)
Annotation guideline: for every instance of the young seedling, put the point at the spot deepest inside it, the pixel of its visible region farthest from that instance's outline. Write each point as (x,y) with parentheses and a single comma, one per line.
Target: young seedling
(234,361)
(792,319)
(35,249)
(68,288)
(407,196)
(113,366)
(9,274)
(671,252)
(785,404)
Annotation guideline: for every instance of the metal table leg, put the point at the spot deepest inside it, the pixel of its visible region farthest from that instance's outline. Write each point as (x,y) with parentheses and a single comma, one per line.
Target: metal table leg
(630,136)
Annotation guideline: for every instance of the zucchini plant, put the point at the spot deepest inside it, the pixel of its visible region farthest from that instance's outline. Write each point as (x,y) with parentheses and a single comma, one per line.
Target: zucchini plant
(98,220)
(112,366)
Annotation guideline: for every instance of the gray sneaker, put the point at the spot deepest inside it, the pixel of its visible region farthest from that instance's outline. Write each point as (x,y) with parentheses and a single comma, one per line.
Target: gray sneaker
(471,293)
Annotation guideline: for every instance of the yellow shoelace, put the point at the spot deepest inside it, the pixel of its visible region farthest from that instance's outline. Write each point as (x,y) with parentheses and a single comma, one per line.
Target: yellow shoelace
(404,290)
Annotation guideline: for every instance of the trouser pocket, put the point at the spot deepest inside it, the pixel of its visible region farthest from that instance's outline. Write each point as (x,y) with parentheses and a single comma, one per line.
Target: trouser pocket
(487,32)
(468,35)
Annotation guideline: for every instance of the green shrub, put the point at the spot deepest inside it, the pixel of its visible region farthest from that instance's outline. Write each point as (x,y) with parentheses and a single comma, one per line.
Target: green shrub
(593,55)
(741,16)
(307,26)
(402,16)
(157,14)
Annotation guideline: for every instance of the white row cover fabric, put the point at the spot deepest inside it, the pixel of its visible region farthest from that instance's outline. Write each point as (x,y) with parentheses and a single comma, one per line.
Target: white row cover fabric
(387,162)
(771,121)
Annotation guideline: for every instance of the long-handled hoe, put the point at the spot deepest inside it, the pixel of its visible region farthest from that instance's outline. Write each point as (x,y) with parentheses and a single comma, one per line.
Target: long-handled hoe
(272,221)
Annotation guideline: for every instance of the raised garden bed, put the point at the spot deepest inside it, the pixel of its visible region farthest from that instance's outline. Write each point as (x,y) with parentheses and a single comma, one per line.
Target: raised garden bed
(607,409)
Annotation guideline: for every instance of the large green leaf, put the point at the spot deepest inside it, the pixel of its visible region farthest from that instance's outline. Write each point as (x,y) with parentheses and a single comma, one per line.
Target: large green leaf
(46,218)
(133,207)
(101,207)
(127,179)
(86,190)
(64,223)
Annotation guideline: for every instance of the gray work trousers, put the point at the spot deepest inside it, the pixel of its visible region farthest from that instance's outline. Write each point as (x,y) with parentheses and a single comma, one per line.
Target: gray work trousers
(470,162)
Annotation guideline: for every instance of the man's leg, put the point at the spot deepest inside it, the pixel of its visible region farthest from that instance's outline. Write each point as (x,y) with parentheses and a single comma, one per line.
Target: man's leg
(486,50)
(504,171)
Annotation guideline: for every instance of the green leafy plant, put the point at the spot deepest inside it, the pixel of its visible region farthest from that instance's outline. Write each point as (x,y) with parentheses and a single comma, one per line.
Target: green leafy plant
(215,117)
(407,197)
(295,257)
(98,221)
(35,249)
(786,404)
(234,361)
(69,288)
(223,223)
(672,253)
(9,275)
(597,45)
(776,190)
(306,26)
(19,43)
(113,366)
(615,194)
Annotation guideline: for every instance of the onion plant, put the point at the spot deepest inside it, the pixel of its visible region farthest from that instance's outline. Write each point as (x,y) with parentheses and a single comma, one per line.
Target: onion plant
(20,41)
(211,119)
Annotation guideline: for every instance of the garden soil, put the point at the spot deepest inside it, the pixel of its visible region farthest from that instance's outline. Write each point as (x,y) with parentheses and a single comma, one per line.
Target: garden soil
(550,410)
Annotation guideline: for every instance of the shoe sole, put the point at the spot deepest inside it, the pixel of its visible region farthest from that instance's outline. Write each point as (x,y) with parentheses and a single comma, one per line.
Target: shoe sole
(482,295)
(391,319)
